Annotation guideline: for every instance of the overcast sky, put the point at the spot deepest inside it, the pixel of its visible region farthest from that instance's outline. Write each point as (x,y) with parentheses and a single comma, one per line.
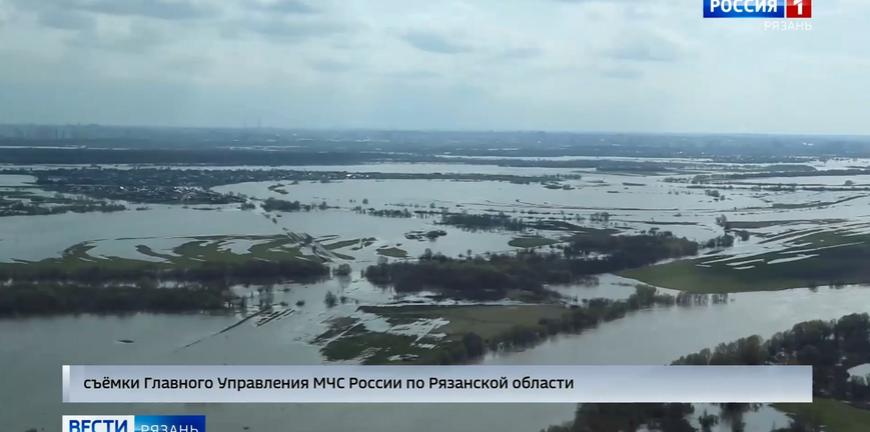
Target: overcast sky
(583,65)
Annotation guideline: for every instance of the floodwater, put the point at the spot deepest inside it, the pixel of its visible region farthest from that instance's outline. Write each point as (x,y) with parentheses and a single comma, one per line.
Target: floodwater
(164,227)
(33,349)
(17,180)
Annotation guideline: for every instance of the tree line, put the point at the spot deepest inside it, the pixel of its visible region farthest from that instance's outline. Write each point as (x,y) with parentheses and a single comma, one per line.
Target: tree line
(53,298)
(206,272)
(495,276)
(831,347)
(576,319)
(475,222)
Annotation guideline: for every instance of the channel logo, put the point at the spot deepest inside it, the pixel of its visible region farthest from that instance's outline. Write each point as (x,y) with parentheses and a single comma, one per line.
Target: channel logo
(178,423)
(799,9)
(758,8)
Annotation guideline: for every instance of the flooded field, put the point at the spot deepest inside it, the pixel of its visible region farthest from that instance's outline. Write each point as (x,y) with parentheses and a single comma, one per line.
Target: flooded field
(289,317)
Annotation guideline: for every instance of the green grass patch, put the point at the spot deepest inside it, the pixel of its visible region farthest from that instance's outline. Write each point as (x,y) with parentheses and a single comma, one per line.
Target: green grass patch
(393,252)
(74,258)
(343,244)
(842,260)
(148,251)
(349,340)
(371,347)
(487,321)
(834,415)
(338,326)
(274,248)
(192,254)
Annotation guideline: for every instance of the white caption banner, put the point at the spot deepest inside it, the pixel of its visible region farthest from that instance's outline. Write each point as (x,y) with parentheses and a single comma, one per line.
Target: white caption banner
(436,384)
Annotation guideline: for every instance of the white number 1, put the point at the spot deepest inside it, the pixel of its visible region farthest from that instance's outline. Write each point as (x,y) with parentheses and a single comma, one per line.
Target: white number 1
(800,6)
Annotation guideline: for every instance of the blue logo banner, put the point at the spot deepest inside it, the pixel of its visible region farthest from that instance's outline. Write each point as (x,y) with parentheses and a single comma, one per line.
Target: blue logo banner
(139,423)
(744,8)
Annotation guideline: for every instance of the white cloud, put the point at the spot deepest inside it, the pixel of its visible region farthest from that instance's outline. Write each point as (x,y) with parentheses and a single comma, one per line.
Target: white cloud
(507,64)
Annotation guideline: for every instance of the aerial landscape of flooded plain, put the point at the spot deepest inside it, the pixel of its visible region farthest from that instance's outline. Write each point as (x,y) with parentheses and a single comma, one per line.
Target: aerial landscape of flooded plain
(295,263)
(434,216)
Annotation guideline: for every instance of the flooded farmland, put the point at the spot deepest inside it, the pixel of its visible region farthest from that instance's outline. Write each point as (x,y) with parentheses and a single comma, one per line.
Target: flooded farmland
(633,204)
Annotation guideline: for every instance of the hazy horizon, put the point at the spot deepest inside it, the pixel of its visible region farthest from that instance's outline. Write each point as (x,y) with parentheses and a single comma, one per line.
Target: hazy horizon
(431,130)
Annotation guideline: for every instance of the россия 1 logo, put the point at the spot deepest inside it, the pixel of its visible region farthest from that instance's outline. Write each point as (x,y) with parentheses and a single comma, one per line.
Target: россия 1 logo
(758,8)
(139,423)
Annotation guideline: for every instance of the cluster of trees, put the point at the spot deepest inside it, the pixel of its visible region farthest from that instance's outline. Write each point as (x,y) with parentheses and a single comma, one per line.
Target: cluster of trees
(670,417)
(493,277)
(430,235)
(798,424)
(331,300)
(630,250)
(498,221)
(801,171)
(715,194)
(389,213)
(342,270)
(479,278)
(20,208)
(209,271)
(723,241)
(97,287)
(28,299)
(601,217)
(274,204)
(663,417)
(831,347)
(207,178)
(583,317)
(26,203)
(745,351)
(575,319)
(155,186)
